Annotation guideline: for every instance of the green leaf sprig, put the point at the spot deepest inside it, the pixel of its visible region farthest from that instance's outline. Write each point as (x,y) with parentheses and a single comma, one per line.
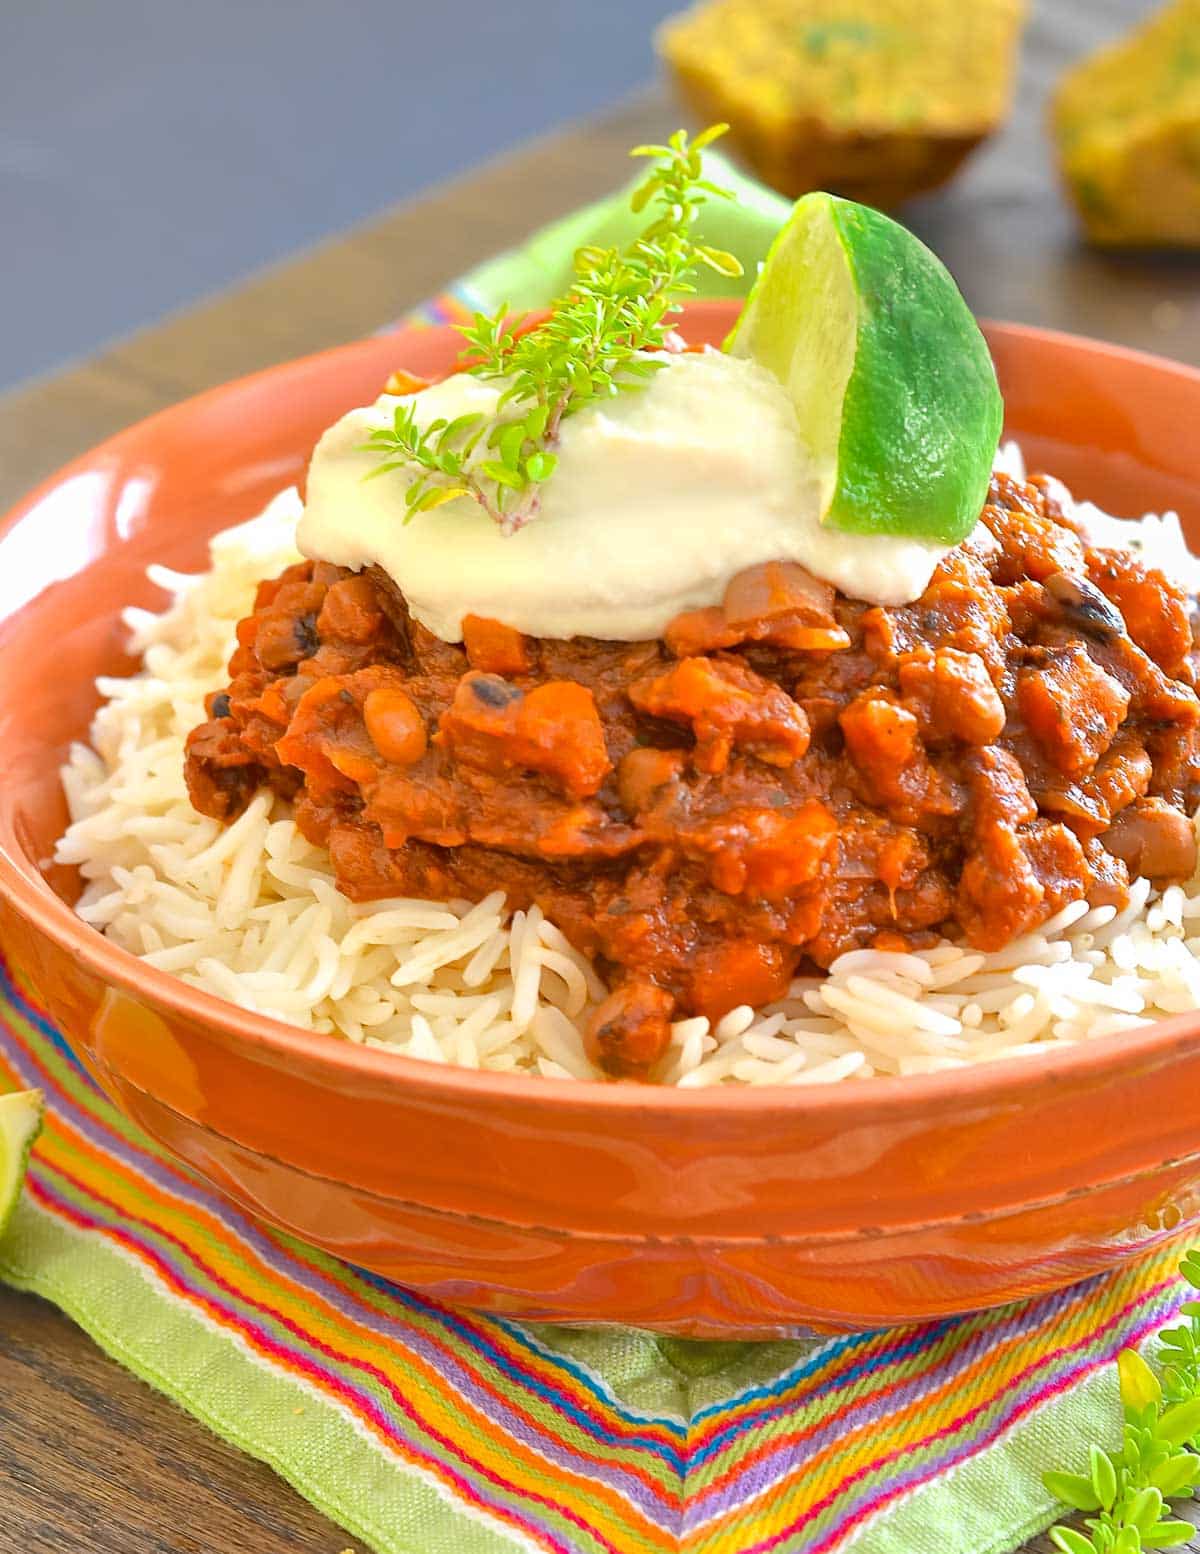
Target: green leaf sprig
(1127,1491)
(589,347)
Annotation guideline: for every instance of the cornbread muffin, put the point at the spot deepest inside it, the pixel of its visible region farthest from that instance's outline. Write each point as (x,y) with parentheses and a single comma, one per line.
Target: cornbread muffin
(1127,125)
(878,100)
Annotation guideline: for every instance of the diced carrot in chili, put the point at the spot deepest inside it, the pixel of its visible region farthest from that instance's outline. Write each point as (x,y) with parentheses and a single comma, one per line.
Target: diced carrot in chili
(325,713)
(1073,708)
(273,702)
(402,382)
(802,638)
(999,893)
(555,730)
(999,795)
(351,763)
(739,971)
(884,742)
(770,853)
(269,589)
(953,694)
(495,648)
(1032,545)
(1056,856)
(1155,609)
(559,732)
(727,704)
(880,734)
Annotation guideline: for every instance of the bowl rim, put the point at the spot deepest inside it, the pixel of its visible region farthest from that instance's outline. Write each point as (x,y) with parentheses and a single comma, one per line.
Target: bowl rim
(35,902)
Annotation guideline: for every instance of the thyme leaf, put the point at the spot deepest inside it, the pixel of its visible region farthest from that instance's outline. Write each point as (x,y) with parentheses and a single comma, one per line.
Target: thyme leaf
(590,346)
(1127,1491)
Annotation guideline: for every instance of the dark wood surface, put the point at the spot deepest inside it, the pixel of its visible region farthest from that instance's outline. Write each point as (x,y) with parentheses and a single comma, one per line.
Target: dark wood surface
(89,1458)
(93,1462)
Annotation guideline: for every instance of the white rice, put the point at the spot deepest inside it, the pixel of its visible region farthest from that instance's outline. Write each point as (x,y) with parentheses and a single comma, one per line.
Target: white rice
(250,911)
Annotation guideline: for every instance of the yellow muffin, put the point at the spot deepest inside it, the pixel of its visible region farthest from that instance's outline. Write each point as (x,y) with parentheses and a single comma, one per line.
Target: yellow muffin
(874,99)
(1127,124)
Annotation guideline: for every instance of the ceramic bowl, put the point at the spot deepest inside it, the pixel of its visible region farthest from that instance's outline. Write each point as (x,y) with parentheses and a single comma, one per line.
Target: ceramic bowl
(692,1212)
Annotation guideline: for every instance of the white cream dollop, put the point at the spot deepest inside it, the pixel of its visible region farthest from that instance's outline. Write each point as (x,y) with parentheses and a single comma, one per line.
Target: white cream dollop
(660,497)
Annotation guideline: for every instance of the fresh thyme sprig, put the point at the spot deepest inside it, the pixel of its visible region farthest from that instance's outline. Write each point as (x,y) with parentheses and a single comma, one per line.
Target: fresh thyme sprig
(1127,1491)
(590,346)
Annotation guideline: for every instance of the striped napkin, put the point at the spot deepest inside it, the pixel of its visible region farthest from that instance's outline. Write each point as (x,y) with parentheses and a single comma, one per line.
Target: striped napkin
(426,1430)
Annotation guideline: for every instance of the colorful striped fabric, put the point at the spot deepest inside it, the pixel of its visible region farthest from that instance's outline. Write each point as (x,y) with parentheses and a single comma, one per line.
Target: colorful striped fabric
(448,307)
(424,1429)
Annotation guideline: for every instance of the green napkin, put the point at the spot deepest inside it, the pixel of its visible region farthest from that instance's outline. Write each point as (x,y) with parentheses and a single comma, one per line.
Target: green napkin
(541,268)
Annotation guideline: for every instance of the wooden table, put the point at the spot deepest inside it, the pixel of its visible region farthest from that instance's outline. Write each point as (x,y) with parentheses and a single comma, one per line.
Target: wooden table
(91,1460)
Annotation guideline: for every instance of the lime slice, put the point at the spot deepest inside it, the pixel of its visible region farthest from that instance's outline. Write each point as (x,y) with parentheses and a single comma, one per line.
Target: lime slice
(20,1122)
(892,381)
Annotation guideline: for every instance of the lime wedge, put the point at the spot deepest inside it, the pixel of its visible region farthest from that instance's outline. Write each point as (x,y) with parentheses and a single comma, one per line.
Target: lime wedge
(20,1122)
(892,381)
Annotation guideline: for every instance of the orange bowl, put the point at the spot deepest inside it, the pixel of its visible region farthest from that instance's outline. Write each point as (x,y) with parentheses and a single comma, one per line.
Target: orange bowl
(714,1212)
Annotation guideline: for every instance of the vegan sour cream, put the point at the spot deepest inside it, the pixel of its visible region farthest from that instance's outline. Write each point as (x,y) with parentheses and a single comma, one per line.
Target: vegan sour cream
(660,497)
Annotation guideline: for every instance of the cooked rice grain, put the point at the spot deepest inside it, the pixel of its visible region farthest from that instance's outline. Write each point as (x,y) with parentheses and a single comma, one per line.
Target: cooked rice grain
(250,911)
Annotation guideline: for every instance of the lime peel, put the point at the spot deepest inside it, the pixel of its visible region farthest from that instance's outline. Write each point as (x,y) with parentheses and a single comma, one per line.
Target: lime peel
(893,384)
(20,1123)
